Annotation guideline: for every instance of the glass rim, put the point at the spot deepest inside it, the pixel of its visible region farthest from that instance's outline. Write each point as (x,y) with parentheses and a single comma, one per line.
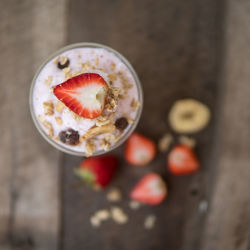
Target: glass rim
(89,45)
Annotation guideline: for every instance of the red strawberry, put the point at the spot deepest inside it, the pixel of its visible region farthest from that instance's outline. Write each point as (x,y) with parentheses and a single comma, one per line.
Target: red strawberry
(98,171)
(84,94)
(182,160)
(151,189)
(139,150)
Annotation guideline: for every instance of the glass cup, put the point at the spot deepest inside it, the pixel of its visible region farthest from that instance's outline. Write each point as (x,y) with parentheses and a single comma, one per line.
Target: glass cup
(125,134)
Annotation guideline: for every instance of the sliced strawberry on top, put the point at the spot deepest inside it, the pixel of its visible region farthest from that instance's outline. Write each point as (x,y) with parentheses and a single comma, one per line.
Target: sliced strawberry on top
(84,94)
(151,189)
(139,150)
(97,171)
(182,160)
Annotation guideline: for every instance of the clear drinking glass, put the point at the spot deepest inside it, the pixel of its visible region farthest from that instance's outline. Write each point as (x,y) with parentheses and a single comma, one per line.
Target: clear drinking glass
(131,126)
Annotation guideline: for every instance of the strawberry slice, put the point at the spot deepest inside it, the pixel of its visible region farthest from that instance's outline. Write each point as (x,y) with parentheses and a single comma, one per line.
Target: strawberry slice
(84,94)
(97,171)
(151,189)
(182,160)
(139,150)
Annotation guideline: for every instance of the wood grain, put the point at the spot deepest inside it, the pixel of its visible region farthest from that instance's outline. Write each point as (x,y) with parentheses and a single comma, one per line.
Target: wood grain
(29,209)
(174,47)
(227,225)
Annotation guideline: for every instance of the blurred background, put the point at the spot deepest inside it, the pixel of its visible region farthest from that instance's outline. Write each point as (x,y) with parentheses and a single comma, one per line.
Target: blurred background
(197,49)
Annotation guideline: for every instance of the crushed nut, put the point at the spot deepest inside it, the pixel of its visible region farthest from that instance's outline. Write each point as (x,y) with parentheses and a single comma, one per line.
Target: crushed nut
(58,121)
(165,142)
(102,120)
(90,147)
(47,125)
(135,104)
(112,77)
(48,81)
(66,70)
(109,128)
(113,66)
(48,108)
(105,145)
(110,138)
(130,120)
(185,140)
(118,215)
(149,222)
(59,106)
(97,61)
(56,138)
(86,66)
(77,117)
(114,195)
(63,59)
(134,205)
(76,73)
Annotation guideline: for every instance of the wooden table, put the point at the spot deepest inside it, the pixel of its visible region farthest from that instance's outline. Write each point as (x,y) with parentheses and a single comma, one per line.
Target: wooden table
(197,49)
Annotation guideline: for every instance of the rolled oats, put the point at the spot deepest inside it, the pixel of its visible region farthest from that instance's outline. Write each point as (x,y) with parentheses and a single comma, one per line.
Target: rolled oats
(118,215)
(58,121)
(48,81)
(48,108)
(165,142)
(134,205)
(59,106)
(109,128)
(150,221)
(90,147)
(102,214)
(47,125)
(188,141)
(114,195)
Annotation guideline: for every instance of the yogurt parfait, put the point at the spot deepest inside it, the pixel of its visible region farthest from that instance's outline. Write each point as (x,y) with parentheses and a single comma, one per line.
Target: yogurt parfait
(86,99)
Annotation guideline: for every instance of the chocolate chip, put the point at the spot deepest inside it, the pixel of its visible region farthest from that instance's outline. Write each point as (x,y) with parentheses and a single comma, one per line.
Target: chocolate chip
(69,136)
(63,65)
(121,123)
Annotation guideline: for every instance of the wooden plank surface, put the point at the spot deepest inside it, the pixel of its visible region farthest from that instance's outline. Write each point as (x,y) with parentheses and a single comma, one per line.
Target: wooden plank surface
(227,225)
(175,48)
(29,173)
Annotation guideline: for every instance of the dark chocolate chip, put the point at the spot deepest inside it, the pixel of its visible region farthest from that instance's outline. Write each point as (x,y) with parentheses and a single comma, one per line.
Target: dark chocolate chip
(121,123)
(62,66)
(69,136)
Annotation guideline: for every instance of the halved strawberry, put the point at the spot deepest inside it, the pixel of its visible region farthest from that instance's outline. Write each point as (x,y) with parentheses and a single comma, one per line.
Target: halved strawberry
(139,150)
(182,160)
(151,189)
(98,171)
(84,94)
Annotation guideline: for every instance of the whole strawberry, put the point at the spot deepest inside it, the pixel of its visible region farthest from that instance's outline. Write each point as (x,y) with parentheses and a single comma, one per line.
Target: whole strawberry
(151,189)
(98,171)
(182,160)
(139,150)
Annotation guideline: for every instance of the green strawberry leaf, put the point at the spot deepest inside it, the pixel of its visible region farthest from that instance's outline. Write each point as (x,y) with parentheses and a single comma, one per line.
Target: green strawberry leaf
(86,175)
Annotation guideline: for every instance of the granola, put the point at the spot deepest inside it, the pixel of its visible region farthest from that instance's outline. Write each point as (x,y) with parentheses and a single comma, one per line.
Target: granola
(48,108)
(109,128)
(90,147)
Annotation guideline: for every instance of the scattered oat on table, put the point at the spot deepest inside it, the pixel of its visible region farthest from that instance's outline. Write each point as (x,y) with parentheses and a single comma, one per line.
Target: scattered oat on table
(114,195)
(95,222)
(188,141)
(150,221)
(165,142)
(102,214)
(118,215)
(134,205)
